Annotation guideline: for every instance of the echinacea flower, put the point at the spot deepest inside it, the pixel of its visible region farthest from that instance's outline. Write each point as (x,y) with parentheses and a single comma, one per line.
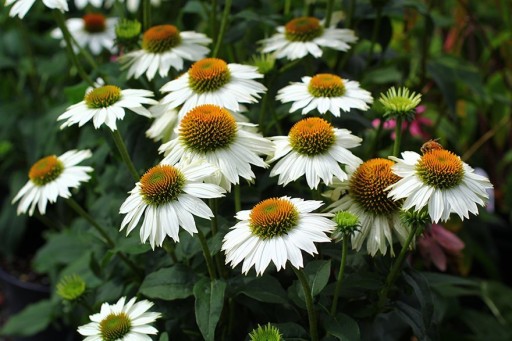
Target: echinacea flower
(163,47)
(437,245)
(440,180)
(366,197)
(93,31)
(168,196)
(325,92)
(276,230)
(105,105)
(266,333)
(21,7)
(122,321)
(307,35)
(163,127)
(213,81)
(401,102)
(314,148)
(210,133)
(52,177)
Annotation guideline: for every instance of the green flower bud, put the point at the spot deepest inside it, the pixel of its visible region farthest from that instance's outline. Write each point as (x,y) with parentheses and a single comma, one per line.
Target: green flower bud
(128,32)
(266,333)
(399,103)
(264,62)
(71,287)
(415,218)
(347,223)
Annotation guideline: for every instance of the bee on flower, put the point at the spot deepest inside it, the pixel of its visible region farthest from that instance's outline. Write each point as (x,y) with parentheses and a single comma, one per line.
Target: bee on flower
(440,181)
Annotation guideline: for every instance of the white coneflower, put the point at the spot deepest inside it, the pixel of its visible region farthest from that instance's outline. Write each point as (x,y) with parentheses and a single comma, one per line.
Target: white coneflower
(440,180)
(163,47)
(325,92)
(366,197)
(94,31)
(213,81)
(314,148)
(52,177)
(123,321)
(307,35)
(210,133)
(105,105)
(276,230)
(168,196)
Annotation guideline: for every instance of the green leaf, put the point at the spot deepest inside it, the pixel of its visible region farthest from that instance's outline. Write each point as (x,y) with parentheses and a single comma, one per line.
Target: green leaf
(343,327)
(131,245)
(266,289)
(423,293)
(61,249)
(76,93)
(383,75)
(164,337)
(318,272)
(33,319)
(209,302)
(448,285)
(292,331)
(498,298)
(110,291)
(168,283)
(414,318)
(215,243)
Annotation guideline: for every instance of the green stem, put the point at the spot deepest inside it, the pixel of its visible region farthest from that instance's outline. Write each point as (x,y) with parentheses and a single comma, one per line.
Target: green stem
(237,198)
(59,17)
(328,12)
(207,255)
(313,330)
(213,18)
(375,32)
(169,248)
(395,269)
(287,7)
(215,223)
(337,290)
(146,14)
(351,11)
(86,305)
(398,136)
(110,243)
(124,154)
(223,24)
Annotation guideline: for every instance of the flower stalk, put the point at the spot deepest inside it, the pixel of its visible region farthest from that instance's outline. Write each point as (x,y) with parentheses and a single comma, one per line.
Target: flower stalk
(106,238)
(59,17)
(398,136)
(339,280)
(222,30)
(207,255)
(124,154)
(313,329)
(395,269)
(328,12)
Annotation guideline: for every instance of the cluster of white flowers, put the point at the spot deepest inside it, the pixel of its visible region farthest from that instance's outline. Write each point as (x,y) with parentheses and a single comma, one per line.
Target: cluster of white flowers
(208,146)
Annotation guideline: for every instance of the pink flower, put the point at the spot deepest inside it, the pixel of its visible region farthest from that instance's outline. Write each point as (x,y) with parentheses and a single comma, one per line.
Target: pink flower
(437,245)
(414,127)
